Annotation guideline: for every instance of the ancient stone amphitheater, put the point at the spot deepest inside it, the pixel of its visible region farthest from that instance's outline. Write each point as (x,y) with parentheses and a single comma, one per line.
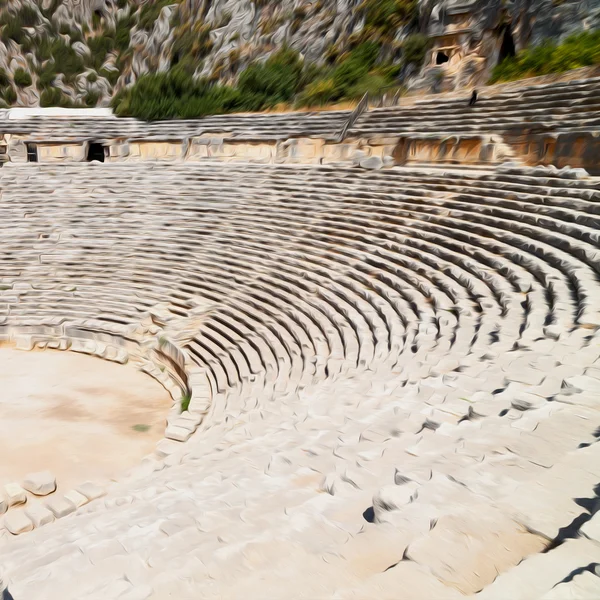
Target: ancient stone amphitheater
(393,375)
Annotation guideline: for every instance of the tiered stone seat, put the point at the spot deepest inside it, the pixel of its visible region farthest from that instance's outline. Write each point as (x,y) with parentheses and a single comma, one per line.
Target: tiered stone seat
(236,126)
(557,106)
(403,376)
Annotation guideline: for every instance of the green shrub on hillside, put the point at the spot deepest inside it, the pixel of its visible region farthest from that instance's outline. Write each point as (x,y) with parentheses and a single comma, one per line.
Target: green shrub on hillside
(10,95)
(62,56)
(385,17)
(100,46)
(22,78)
(282,78)
(4,79)
(355,67)
(274,81)
(150,11)
(46,76)
(355,74)
(578,50)
(176,94)
(91,99)
(54,97)
(317,93)
(414,49)
(191,43)
(123,34)
(173,95)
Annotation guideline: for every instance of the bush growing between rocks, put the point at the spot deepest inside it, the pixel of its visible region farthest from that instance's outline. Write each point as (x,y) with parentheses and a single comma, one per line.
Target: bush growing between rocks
(282,78)
(176,94)
(186,398)
(54,97)
(9,95)
(414,49)
(578,50)
(385,17)
(22,78)
(4,79)
(150,11)
(272,82)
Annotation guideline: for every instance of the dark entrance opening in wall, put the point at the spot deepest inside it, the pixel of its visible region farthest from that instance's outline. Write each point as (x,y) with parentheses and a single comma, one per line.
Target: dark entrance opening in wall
(508,44)
(95,152)
(32,155)
(441,58)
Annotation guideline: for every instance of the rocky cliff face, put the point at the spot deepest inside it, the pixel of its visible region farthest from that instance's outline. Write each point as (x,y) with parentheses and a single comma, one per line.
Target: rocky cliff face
(469,37)
(57,52)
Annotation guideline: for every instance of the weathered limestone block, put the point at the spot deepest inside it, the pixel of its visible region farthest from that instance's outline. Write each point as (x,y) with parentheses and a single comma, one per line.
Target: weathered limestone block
(76,498)
(60,506)
(15,494)
(179,434)
(39,515)
(40,484)
(167,447)
(90,490)
(17,522)
(118,150)
(48,152)
(17,151)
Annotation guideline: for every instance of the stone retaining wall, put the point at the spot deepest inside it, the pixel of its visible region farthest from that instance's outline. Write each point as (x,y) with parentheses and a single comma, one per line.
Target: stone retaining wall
(575,149)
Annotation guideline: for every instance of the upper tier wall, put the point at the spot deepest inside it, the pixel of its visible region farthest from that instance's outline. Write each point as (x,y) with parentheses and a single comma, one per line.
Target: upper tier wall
(551,123)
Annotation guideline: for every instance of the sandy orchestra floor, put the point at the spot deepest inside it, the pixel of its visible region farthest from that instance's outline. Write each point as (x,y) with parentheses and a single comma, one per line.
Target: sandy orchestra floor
(80,417)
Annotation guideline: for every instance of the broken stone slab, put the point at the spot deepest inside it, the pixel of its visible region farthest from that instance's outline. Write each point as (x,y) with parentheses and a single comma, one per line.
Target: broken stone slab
(166,447)
(393,497)
(60,506)
(39,515)
(188,424)
(192,417)
(76,498)
(17,522)
(15,494)
(179,434)
(41,483)
(90,490)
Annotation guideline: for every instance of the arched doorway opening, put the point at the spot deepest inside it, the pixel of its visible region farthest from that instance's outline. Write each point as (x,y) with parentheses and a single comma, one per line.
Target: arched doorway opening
(507,48)
(95,152)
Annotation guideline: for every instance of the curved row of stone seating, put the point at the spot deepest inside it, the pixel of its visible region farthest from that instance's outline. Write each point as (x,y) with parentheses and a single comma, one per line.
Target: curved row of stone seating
(272,126)
(559,106)
(514,260)
(404,374)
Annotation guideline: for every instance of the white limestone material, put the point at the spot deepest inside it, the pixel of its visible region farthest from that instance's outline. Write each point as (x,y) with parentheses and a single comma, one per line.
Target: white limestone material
(60,506)
(41,483)
(76,498)
(14,494)
(17,522)
(390,366)
(39,515)
(91,490)
(591,529)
